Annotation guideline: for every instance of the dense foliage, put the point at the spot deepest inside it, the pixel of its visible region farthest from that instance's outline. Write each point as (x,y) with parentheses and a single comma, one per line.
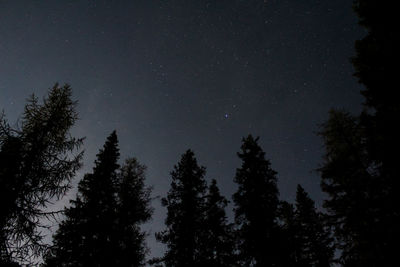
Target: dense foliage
(102,227)
(38,159)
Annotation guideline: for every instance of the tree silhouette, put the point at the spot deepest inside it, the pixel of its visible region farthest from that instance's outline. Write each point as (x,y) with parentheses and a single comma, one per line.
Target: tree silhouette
(185,203)
(360,172)
(133,210)
(218,246)
(377,55)
(101,227)
(256,208)
(289,234)
(313,239)
(350,184)
(37,163)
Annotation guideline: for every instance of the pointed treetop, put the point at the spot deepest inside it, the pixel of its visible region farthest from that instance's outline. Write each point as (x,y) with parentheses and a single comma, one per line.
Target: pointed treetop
(110,152)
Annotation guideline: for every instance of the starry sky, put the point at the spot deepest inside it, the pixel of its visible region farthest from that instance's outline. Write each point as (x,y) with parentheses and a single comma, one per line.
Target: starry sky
(176,74)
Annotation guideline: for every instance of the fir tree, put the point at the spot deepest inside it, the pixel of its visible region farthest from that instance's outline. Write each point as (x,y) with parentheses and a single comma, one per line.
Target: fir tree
(38,159)
(218,244)
(85,237)
(354,189)
(256,208)
(185,209)
(133,210)
(313,240)
(289,234)
(101,227)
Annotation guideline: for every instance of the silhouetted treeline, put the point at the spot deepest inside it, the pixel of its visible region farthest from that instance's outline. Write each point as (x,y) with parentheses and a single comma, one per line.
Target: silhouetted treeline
(197,233)
(359,172)
(102,226)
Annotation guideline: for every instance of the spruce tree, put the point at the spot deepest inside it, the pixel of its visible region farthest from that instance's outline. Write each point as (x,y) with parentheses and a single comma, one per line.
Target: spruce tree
(218,246)
(102,227)
(256,208)
(185,203)
(312,237)
(133,210)
(354,188)
(38,159)
(85,237)
(289,234)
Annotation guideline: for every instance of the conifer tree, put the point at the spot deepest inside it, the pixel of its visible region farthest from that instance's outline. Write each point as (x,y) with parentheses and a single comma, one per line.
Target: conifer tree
(38,160)
(360,169)
(101,227)
(218,246)
(132,211)
(256,208)
(185,203)
(288,234)
(377,56)
(313,240)
(354,188)
(85,237)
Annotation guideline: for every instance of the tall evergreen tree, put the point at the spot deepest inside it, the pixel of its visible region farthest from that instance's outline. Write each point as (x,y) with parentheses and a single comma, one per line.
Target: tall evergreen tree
(313,238)
(85,237)
(132,211)
(38,159)
(185,203)
(360,172)
(218,246)
(256,207)
(101,227)
(377,55)
(354,188)
(288,234)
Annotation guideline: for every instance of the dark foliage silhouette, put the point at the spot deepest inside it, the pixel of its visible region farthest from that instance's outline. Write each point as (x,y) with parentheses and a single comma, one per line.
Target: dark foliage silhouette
(309,241)
(289,236)
(185,203)
(198,232)
(313,238)
(375,61)
(218,241)
(256,208)
(38,159)
(359,171)
(350,184)
(102,227)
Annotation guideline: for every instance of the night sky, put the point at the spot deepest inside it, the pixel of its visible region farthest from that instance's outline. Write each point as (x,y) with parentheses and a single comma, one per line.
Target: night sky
(177,74)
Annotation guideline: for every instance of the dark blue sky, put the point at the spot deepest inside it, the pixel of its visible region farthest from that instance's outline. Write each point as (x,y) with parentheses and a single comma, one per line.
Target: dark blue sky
(177,74)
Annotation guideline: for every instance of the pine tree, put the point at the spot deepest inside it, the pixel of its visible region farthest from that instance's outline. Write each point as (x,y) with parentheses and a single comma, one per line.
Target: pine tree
(185,203)
(313,240)
(218,243)
(38,160)
(101,227)
(256,208)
